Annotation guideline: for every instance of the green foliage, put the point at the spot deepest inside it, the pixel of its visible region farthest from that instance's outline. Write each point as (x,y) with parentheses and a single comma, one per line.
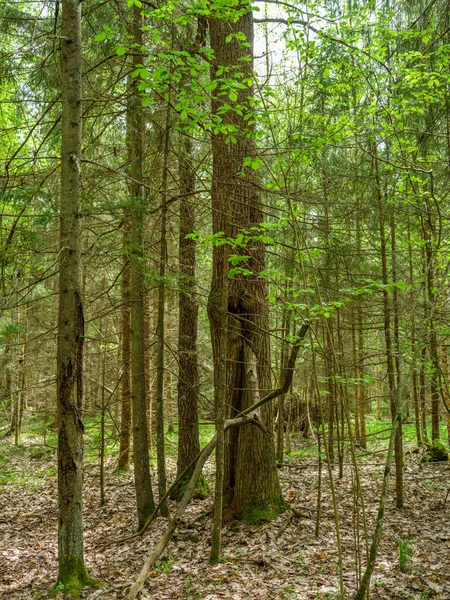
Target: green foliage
(404,553)
(164,565)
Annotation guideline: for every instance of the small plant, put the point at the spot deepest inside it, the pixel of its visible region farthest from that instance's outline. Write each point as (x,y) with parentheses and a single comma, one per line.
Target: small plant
(188,584)
(286,593)
(404,553)
(328,596)
(164,565)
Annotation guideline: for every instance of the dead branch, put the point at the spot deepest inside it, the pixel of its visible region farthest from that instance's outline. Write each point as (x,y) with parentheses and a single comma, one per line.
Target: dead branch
(249,415)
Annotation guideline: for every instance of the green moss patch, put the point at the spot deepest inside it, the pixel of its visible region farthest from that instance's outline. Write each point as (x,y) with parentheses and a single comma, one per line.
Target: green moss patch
(264,513)
(435,452)
(122,469)
(73,577)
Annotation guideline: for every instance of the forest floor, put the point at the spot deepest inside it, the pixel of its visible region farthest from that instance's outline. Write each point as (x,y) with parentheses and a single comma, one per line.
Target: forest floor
(281,560)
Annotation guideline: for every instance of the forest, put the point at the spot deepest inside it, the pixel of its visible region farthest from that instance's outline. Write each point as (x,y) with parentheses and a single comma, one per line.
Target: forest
(224,306)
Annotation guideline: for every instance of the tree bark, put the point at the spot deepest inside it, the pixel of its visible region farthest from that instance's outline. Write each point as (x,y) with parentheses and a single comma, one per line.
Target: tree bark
(392,382)
(414,345)
(251,476)
(125,421)
(161,326)
(143,486)
(188,375)
(72,573)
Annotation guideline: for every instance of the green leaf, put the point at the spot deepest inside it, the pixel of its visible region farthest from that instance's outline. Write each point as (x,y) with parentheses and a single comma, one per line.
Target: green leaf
(121,50)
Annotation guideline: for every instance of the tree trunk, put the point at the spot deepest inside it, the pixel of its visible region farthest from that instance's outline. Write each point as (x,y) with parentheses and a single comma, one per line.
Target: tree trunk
(251,476)
(393,389)
(144,493)
(188,376)
(161,326)
(414,346)
(125,422)
(72,574)
(285,326)
(220,397)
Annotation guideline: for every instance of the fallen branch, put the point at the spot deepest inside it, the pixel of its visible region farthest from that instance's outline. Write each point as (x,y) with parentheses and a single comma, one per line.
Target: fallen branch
(151,518)
(249,415)
(288,375)
(167,536)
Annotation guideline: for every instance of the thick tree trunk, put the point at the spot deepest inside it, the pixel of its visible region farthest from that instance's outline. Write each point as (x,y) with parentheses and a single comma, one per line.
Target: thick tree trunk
(72,574)
(250,463)
(220,398)
(144,494)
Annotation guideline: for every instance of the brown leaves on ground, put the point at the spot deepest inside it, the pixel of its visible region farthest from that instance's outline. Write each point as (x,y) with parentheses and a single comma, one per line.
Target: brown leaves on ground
(280,560)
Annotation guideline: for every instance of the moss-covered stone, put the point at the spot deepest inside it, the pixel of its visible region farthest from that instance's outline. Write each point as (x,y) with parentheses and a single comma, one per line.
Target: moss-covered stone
(435,452)
(72,577)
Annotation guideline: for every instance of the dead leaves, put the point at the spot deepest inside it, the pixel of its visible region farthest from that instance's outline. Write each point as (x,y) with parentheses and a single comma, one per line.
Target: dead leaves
(277,561)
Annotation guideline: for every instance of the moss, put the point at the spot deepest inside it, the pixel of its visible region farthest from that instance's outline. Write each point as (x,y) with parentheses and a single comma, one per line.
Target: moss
(122,469)
(201,491)
(72,577)
(256,515)
(435,452)
(149,508)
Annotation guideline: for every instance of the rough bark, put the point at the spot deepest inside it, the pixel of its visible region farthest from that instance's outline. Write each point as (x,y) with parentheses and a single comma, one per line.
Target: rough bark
(144,493)
(188,375)
(251,477)
(72,574)
(249,415)
(125,421)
